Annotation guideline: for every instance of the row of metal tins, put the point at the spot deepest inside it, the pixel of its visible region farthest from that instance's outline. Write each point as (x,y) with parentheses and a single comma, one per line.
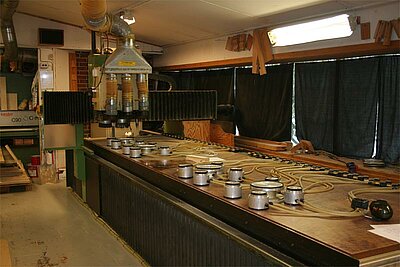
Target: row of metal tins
(262,192)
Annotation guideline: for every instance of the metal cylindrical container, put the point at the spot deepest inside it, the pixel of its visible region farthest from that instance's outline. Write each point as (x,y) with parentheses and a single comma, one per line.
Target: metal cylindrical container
(185,171)
(35,159)
(210,168)
(135,152)
(109,140)
(115,144)
(220,164)
(112,94)
(294,195)
(139,142)
(235,174)
(126,149)
(147,149)
(125,141)
(271,188)
(127,93)
(258,200)
(165,151)
(200,178)
(232,190)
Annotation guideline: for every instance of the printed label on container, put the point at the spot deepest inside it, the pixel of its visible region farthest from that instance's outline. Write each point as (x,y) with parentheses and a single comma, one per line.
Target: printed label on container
(127,63)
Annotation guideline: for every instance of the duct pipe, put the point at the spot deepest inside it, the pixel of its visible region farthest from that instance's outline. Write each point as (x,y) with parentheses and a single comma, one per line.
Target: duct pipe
(97,19)
(8,8)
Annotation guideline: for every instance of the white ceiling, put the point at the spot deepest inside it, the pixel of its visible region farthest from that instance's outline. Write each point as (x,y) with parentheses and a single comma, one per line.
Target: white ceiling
(171,22)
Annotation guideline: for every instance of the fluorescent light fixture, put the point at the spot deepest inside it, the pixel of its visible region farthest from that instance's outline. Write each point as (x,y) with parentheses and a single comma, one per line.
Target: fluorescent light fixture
(127,16)
(324,29)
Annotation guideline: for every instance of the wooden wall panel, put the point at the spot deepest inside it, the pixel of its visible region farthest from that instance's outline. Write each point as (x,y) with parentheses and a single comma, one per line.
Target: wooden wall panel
(199,130)
(218,135)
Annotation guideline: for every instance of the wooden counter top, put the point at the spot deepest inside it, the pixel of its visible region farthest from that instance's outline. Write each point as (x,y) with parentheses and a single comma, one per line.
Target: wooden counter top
(347,236)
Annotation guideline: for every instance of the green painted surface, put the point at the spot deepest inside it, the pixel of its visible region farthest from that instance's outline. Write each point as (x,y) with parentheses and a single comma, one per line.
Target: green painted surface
(19,83)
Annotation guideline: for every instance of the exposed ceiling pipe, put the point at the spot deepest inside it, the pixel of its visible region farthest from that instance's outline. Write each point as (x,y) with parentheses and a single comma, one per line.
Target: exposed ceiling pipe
(97,19)
(8,8)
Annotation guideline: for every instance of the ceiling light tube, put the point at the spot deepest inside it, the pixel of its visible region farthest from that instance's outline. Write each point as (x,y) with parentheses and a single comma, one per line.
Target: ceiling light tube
(324,29)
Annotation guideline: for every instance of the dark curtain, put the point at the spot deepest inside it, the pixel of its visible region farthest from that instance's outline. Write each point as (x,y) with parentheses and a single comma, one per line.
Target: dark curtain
(314,103)
(338,105)
(220,80)
(356,107)
(388,147)
(264,103)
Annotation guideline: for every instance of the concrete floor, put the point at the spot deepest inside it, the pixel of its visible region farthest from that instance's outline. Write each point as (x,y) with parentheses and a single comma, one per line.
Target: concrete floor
(48,226)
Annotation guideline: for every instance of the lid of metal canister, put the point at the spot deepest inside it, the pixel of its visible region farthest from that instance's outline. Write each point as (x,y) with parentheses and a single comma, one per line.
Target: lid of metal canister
(185,165)
(258,192)
(294,188)
(207,167)
(267,185)
(232,183)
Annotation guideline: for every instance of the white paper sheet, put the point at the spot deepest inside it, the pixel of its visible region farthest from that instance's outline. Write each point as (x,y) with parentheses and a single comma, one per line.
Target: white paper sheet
(389,231)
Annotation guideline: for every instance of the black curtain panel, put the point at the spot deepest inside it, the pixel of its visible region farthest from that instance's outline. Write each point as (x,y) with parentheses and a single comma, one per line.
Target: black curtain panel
(314,103)
(388,147)
(356,114)
(220,80)
(263,103)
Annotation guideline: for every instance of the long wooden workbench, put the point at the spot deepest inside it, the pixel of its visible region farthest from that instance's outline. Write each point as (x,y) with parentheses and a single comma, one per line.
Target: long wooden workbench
(296,236)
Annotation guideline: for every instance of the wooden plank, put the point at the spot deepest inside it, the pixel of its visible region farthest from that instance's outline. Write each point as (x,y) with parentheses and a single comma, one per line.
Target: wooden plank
(12,101)
(396,26)
(388,33)
(16,159)
(260,143)
(380,31)
(5,259)
(218,135)
(1,156)
(314,54)
(3,93)
(199,130)
(365,31)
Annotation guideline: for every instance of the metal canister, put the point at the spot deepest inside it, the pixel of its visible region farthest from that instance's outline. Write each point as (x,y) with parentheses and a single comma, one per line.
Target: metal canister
(185,171)
(220,164)
(126,149)
(109,139)
(232,190)
(235,174)
(115,144)
(210,168)
(258,200)
(201,178)
(294,195)
(147,149)
(135,152)
(126,141)
(165,151)
(139,142)
(271,188)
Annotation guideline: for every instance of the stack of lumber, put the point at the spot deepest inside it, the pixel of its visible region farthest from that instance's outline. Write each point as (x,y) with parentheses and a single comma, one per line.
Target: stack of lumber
(253,143)
(13,177)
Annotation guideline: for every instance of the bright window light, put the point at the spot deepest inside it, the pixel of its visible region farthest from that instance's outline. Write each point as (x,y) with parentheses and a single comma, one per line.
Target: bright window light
(324,29)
